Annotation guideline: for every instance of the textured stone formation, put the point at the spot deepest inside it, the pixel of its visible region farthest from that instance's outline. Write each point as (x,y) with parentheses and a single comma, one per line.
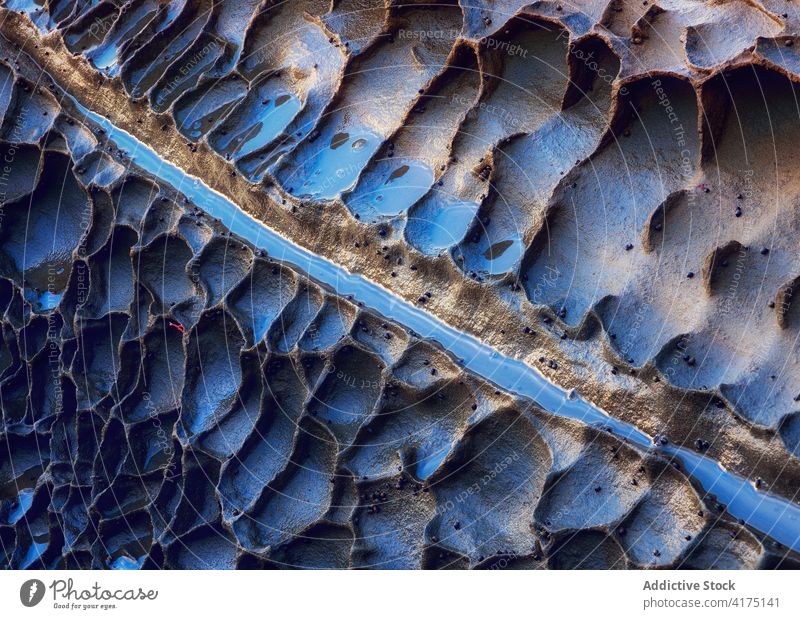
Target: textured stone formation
(605,190)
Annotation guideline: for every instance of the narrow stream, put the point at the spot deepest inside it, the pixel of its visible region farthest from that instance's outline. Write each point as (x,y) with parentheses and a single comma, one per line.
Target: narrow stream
(772,515)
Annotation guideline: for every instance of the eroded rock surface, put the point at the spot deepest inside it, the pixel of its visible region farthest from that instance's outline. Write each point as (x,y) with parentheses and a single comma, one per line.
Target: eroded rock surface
(606,189)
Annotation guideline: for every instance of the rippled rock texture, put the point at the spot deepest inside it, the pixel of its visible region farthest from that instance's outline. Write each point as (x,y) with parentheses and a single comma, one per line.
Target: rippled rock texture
(617,178)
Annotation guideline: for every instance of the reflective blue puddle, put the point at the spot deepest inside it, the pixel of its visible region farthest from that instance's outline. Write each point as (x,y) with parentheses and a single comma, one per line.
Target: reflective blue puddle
(502,256)
(44,284)
(200,113)
(440,223)
(392,190)
(43,300)
(105,60)
(277,113)
(428,463)
(336,166)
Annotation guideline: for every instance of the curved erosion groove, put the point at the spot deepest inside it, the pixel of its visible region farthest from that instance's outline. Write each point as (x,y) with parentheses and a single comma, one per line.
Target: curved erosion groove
(771,515)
